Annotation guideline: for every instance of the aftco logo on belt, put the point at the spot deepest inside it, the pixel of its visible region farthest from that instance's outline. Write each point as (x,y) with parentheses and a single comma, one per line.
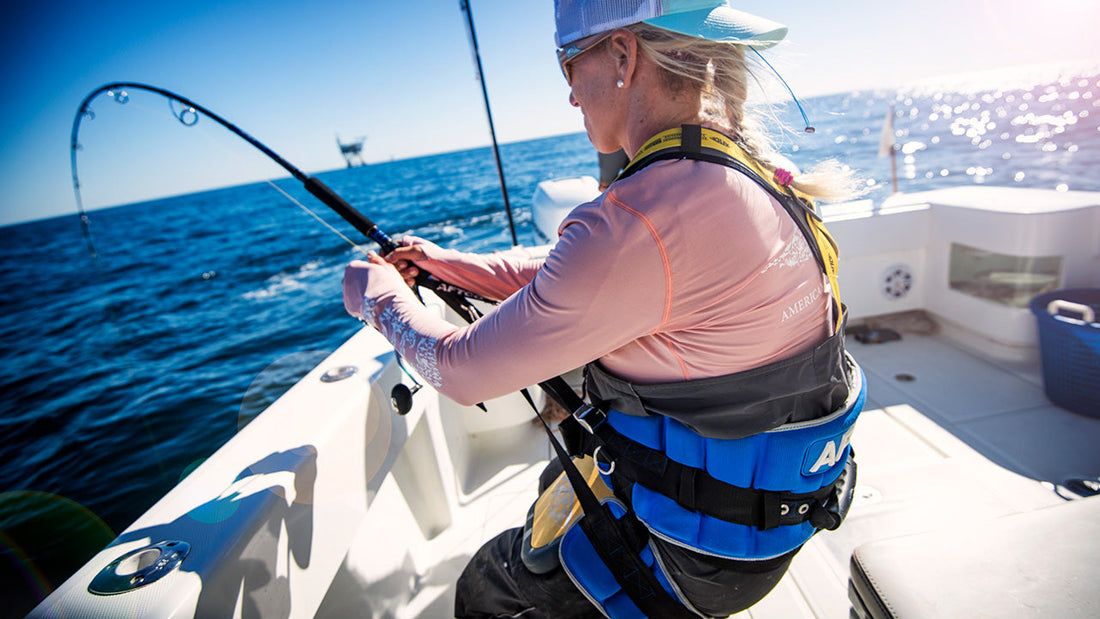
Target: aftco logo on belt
(827,453)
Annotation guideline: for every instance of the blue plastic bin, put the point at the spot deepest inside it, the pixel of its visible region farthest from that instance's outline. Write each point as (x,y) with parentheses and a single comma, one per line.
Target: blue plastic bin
(1069,345)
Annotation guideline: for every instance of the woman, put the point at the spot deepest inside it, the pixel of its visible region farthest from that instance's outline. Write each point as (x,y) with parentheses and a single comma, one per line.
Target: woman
(694,291)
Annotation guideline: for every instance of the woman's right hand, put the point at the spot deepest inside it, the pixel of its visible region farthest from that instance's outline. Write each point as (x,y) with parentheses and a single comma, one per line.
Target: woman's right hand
(405,256)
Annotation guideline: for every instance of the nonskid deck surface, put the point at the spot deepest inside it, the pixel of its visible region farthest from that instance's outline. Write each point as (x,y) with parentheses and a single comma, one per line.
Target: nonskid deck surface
(948,438)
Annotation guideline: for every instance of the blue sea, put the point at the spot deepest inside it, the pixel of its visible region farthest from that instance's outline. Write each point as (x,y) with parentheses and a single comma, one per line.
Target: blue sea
(120,373)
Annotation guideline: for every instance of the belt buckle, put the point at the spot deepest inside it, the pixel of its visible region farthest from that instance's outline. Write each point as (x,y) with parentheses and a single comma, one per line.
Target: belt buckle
(580,417)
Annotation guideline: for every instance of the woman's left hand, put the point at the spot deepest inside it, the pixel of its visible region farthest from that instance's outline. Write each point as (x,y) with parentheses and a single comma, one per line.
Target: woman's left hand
(358,274)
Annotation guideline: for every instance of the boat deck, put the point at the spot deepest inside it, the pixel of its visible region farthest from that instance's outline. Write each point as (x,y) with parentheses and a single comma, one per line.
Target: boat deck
(948,438)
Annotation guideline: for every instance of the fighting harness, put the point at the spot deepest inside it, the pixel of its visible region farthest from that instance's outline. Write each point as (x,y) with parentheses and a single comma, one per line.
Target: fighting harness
(746,466)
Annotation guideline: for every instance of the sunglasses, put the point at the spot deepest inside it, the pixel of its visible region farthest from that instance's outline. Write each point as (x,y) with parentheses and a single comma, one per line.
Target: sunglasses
(569,53)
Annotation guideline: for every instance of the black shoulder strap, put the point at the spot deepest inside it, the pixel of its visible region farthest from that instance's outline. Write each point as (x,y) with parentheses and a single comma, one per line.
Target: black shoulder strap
(606,533)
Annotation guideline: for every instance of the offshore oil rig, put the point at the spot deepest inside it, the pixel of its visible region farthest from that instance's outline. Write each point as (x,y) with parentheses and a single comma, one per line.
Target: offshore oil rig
(352,151)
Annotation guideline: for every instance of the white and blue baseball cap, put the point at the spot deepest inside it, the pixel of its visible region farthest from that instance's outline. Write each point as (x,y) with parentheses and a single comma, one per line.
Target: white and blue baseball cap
(708,19)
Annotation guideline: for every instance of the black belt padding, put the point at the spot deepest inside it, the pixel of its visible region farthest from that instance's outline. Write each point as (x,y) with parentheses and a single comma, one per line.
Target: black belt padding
(696,490)
(618,543)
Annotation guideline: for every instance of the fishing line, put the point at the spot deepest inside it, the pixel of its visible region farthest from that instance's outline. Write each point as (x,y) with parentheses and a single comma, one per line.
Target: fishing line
(357,247)
(116,328)
(189,118)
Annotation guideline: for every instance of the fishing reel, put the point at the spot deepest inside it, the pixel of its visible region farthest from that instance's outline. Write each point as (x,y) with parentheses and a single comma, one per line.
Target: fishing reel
(401,395)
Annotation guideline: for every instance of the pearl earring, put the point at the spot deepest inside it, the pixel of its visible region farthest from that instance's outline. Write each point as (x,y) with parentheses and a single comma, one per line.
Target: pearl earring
(619,84)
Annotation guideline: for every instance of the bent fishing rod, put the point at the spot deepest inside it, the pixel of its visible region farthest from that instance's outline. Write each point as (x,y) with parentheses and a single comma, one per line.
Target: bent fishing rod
(458,299)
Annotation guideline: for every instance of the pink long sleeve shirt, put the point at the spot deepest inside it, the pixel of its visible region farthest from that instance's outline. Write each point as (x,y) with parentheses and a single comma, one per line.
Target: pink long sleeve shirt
(684,270)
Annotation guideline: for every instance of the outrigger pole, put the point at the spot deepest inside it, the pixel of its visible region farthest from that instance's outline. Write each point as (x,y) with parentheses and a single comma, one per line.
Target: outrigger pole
(465,5)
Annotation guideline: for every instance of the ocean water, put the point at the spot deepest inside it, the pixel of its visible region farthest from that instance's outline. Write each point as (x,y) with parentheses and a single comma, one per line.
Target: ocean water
(120,373)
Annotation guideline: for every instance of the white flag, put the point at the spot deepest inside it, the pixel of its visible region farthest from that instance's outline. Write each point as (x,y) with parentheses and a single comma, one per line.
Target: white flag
(886,143)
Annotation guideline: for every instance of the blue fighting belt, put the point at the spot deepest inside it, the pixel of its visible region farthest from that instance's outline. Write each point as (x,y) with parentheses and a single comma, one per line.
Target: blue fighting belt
(751,498)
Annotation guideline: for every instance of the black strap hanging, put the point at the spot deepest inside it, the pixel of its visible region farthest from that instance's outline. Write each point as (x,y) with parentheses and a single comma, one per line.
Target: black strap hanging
(614,545)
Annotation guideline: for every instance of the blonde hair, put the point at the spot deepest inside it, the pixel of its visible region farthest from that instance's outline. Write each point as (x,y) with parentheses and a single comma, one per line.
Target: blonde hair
(719,72)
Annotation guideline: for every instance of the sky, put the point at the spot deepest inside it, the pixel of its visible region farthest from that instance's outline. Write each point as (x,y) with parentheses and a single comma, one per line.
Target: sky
(295,75)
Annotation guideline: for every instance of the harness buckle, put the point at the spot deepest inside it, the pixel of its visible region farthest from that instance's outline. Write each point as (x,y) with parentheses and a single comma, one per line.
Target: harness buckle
(584,424)
(581,414)
(578,432)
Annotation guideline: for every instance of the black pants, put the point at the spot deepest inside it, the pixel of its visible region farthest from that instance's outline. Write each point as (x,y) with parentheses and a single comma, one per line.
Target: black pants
(496,583)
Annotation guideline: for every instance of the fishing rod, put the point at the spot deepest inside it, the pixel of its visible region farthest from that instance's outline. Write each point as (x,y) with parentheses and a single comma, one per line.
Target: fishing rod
(465,6)
(456,298)
(359,221)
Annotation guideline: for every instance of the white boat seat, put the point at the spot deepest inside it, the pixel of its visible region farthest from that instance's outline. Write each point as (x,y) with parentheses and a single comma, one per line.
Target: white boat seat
(1040,563)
